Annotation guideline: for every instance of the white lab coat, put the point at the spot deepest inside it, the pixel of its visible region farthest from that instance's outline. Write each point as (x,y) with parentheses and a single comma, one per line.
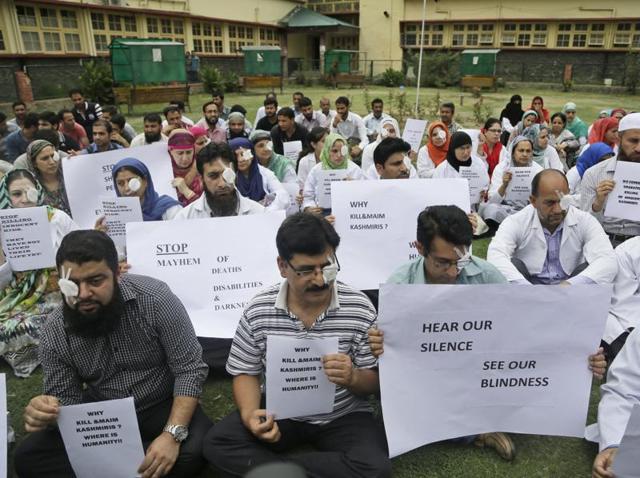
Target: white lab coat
(305,165)
(312,183)
(277,196)
(625,301)
(445,170)
(426,166)
(620,393)
(199,209)
(522,236)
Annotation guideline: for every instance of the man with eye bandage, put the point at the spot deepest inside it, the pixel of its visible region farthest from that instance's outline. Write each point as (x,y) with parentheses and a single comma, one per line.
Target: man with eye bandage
(309,303)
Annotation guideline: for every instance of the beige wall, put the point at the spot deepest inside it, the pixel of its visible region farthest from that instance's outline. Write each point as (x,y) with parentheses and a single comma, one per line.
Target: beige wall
(261,11)
(380,35)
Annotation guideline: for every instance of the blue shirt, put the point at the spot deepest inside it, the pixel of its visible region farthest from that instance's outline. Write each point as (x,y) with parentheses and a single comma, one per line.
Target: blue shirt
(478,271)
(15,144)
(93,148)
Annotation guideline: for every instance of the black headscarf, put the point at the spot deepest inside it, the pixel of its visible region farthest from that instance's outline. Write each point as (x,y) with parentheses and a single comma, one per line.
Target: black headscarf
(458,139)
(513,110)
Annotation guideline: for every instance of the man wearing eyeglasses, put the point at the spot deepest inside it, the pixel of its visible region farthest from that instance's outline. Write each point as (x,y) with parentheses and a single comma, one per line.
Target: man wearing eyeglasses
(308,304)
(443,243)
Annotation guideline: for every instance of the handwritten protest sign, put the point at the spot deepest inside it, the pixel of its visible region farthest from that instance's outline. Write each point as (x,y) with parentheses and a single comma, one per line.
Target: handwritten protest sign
(519,188)
(118,211)
(474,371)
(325,179)
(26,238)
(477,182)
(102,439)
(292,150)
(624,201)
(296,383)
(413,132)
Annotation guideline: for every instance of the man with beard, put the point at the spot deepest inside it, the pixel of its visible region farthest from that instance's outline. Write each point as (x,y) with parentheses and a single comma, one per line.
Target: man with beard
(269,119)
(220,198)
(116,337)
(550,241)
(390,160)
(308,118)
(309,303)
(597,182)
(102,130)
(152,131)
(212,123)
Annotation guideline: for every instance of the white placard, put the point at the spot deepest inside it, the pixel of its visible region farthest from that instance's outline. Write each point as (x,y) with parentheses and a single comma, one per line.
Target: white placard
(295,380)
(477,182)
(519,188)
(118,211)
(325,178)
(376,222)
(293,189)
(88,177)
(624,201)
(3,426)
(102,439)
(157,55)
(413,132)
(215,266)
(477,371)
(625,464)
(26,238)
(292,150)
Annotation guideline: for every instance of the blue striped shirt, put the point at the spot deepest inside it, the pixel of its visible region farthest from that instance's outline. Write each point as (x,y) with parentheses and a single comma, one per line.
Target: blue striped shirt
(348,317)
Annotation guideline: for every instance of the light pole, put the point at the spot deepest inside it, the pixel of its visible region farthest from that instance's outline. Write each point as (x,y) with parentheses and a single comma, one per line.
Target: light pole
(424,14)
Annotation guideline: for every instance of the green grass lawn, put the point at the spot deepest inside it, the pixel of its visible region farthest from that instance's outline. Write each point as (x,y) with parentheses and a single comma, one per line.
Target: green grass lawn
(537,456)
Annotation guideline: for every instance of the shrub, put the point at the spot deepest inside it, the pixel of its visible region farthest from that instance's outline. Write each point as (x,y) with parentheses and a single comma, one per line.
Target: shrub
(96,82)
(212,79)
(391,77)
(632,72)
(439,69)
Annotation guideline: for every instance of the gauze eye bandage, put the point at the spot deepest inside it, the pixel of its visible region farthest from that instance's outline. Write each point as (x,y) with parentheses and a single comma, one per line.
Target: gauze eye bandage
(442,135)
(344,150)
(565,200)
(384,132)
(32,195)
(464,258)
(269,145)
(246,154)
(330,272)
(56,157)
(134,184)
(68,288)
(229,176)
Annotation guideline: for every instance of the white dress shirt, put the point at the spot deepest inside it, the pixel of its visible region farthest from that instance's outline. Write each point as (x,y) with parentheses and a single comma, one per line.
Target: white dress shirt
(199,209)
(353,126)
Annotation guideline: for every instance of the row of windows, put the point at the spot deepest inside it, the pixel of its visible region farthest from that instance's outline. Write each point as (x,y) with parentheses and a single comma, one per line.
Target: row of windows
(569,35)
(57,30)
(334,6)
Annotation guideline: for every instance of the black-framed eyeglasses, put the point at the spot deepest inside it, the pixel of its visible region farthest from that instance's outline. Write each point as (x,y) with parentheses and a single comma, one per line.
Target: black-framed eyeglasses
(308,271)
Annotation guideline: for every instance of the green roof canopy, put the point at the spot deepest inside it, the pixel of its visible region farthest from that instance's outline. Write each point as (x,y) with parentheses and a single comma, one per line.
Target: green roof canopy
(304,18)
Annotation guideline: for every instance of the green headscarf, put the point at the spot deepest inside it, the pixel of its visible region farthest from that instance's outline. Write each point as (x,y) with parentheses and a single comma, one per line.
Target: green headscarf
(577,127)
(5,199)
(278,164)
(326,150)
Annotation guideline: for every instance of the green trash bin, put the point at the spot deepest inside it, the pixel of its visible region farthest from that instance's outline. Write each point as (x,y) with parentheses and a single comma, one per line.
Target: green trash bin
(338,58)
(140,61)
(262,60)
(478,62)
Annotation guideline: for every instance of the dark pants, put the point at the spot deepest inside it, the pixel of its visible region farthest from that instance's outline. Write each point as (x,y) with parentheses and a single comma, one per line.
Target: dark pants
(522,269)
(43,454)
(215,353)
(350,446)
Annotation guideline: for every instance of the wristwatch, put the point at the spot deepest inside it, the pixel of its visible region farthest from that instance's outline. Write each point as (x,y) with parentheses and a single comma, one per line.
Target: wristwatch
(178,432)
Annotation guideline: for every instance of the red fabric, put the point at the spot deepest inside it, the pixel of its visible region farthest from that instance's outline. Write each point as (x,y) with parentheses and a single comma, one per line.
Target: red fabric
(493,157)
(545,112)
(438,154)
(599,128)
(191,177)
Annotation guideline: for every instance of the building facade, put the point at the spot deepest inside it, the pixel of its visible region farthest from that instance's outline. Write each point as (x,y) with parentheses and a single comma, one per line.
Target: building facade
(49,38)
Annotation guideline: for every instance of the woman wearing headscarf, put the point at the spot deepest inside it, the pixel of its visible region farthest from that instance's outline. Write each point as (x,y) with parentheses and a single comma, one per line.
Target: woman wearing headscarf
(460,154)
(562,139)
(529,118)
(388,129)
(489,148)
(334,156)
(498,207)
(513,110)
(132,178)
(26,298)
(590,157)
(201,139)
(543,154)
(432,154)
(604,130)
(237,126)
(44,161)
(618,113)
(274,162)
(537,105)
(315,142)
(253,180)
(186,180)
(574,124)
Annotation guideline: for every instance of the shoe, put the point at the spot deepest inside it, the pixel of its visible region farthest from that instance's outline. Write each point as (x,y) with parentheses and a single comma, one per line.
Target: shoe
(500,442)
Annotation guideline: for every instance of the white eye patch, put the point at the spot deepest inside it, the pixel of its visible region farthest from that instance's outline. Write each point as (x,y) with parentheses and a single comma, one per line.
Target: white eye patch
(269,145)
(32,195)
(442,135)
(565,200)
(246,154)
(229,176)
(134,184)
(464,257)
(344,150)
(330,272)
(56,157)
(384,132)
(68,288)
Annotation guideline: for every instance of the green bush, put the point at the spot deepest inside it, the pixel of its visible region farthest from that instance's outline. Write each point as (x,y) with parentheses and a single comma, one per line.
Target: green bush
(230,81)
(439,69)
(391,77)
(96,82)
(632,72)
(212,79)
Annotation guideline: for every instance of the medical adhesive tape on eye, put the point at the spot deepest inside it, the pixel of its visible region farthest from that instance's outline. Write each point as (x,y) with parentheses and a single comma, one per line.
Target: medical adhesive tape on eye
(56,157)
(384,133)
(270,145)
(344,150)
(134,184)
(32,195)
(442,135)
(229,176)
(330,272)
(246,154)
(565,200)
(68,288)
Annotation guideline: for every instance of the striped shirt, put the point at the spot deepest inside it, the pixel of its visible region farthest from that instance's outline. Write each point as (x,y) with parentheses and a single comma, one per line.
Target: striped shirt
(348,317)
(152,355)
(592,177)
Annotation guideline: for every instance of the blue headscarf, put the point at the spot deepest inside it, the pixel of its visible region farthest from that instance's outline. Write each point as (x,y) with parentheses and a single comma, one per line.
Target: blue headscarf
(154,205)
(252,186)
(592,156)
